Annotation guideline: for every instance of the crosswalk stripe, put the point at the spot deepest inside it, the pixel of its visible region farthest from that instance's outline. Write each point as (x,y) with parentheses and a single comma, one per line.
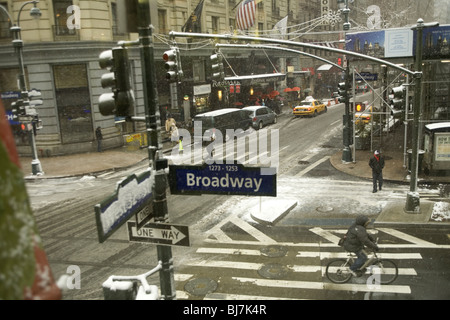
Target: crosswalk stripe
(333,255)
(406,237)
(321,245)
(252,230)
(324,285)
(257,266)
(228,296)
(232,251)
(315,164)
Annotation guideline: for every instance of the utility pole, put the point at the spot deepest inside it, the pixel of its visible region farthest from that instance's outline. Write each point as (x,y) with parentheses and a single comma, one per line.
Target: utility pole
(347,152)
(157,162)
(413,198)
(347,134)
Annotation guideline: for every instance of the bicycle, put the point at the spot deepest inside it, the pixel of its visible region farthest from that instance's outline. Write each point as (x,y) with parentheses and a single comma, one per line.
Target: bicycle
(384,271)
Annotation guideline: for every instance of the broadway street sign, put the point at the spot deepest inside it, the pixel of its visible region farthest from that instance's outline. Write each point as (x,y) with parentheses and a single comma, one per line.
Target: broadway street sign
(131,197)
(231,179)
(159,233)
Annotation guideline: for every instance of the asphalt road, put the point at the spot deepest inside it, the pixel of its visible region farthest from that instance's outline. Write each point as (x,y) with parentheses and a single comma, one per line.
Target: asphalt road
(230,254)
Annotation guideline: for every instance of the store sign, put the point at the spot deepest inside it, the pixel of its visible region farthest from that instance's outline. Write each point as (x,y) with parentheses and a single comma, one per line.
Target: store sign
(202,89)
(224,83)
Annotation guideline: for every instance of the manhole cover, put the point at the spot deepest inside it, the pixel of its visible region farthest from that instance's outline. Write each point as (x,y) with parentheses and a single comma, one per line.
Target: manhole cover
(273,251)
(200,286)
(324,209)
(273,271)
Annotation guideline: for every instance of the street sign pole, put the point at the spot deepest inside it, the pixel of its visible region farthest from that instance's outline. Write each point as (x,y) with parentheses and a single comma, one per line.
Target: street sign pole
(158,164)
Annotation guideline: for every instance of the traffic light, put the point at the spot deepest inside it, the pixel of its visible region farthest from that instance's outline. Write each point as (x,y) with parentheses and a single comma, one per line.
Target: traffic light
(17,109)
(218,73)
(397,96)
(359,107)
(34,100)
(173,65)
(343,94)
(121,101)
(397,100)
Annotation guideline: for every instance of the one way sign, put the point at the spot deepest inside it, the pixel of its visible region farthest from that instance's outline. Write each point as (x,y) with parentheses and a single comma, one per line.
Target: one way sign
(160,233)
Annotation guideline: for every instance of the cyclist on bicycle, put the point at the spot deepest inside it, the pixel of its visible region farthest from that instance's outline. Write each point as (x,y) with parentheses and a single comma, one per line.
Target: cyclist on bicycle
(356,238)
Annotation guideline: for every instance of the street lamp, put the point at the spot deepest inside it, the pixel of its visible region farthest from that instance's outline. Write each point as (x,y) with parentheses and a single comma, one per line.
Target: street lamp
(35,12)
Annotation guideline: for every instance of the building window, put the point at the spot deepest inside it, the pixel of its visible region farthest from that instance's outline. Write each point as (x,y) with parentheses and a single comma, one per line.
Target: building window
(162,21)
(61,16)
(198,71)
(115,27)
(5,24)
(73,103)
(215,24)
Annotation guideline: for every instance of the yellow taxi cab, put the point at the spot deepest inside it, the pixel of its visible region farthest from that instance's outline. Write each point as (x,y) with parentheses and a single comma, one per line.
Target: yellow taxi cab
(309,107)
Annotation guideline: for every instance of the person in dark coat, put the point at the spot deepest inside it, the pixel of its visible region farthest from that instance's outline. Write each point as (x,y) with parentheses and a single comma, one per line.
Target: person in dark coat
(377,164)
(356,239)
(99,136)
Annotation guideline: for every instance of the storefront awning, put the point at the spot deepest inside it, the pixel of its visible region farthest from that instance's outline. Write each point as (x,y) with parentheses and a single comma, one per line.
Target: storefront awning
(257,78)
(325,67)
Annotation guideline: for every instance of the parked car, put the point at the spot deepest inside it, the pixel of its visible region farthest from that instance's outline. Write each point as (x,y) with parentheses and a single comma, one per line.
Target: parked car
(261,116)
(309,107)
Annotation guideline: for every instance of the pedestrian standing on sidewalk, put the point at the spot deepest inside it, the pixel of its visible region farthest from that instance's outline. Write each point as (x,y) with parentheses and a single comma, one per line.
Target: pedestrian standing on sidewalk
(377,164)
(99,136)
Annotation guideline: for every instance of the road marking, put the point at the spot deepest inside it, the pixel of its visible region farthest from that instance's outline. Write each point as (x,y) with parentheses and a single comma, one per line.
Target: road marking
(220,235)
(406,237)
(294,268)
(334,255)
(333,123)
(324,286)
(231,251)
(262,237)
(227,296)
(325,234)
(182,277)
(315,164)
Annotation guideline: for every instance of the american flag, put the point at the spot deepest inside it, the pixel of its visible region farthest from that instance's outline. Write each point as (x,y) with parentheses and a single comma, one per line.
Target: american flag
(245,15)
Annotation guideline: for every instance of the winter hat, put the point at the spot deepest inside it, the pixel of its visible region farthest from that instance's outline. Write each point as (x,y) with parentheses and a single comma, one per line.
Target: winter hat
(361,220)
